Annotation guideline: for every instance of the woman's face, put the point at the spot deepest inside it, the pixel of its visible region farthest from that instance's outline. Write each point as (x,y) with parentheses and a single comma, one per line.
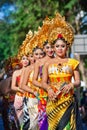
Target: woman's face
(60,48)
(49,50)
(31,58)
(24,61)
(38,54)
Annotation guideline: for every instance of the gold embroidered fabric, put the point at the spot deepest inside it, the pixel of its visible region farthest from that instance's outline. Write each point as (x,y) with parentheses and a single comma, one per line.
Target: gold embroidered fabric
(58,75)
(55,111)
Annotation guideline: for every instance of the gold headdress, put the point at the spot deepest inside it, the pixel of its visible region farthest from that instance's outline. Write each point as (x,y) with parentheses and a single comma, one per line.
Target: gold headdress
(22,50)
(60,26)
(39,36)
(50,30)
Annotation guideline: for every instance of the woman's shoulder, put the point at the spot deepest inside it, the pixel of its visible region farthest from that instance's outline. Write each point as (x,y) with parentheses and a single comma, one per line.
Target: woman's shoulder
(27,68)
(39,62)
(50,61)
(16,72)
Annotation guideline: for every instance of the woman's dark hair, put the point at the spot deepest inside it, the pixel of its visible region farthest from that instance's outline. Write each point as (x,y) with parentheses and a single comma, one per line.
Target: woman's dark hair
(60,39)
(36,48)
(45,43)
(22,56)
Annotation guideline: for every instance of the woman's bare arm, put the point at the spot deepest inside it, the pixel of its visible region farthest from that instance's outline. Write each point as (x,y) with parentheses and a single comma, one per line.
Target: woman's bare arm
(77,80)
(13,86)
(45,77)
(35,77)
(45,84)
(28,88)
(24,82)
(24,77)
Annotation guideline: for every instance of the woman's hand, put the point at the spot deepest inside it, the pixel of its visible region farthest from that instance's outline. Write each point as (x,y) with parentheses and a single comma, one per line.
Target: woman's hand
(20,90)
(51,94)
(67,87)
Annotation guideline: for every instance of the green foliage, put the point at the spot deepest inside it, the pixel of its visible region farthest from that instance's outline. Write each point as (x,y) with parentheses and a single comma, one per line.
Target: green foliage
(70,4)
(29,15)
(85,63)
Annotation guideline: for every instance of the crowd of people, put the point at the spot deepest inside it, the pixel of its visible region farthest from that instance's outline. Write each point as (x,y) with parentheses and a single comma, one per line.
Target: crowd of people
(41,94)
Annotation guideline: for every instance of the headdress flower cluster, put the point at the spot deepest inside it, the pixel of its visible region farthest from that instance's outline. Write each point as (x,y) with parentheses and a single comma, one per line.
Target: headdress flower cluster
(59,36)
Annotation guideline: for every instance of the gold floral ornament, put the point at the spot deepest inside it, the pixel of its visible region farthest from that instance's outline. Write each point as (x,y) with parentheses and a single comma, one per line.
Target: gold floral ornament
(33,43)
(60,26)
(22,50)
(39,36)
(44,33)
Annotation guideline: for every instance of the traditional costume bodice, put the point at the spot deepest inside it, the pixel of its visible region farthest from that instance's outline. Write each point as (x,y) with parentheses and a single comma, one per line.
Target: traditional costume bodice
(17,83)
(61,74)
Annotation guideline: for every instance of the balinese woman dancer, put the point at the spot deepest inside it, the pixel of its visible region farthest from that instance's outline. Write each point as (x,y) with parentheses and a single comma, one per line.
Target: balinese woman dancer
(26,112)
(32,102)
(18,101)
(61,106)
(42,95)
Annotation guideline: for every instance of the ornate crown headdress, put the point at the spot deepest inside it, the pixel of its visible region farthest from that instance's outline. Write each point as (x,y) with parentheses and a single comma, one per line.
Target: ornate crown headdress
(62,28)
(50,30)
(39,36)
(22,50)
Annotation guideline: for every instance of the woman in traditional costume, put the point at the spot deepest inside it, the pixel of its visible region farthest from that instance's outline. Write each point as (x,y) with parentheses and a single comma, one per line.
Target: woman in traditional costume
(37,78)
(38,71)
(18,101)
(31,91)
(61,106)
(36,52)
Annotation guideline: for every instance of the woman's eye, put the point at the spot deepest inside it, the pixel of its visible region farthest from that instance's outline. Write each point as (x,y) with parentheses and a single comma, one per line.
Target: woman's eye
(23,58)
(36,53)
(57,46)
(47,47)
(63,46)
(31,56)
(41,53)
(60,46)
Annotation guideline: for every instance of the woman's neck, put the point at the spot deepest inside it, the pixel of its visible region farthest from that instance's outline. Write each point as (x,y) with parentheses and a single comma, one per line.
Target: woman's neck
(48,57)
(61,58)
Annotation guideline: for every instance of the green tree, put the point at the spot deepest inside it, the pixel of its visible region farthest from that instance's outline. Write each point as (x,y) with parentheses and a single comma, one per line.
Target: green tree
(29,15)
